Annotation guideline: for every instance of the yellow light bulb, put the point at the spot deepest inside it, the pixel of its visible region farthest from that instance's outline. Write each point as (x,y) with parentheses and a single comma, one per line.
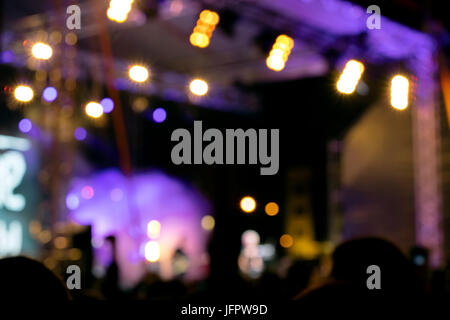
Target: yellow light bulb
(153,229)
(23,93)
(152,251)
(248,204)
(94,110)
(198,87)
(138,73)
(41,51)
(399,92)
(275,63)
(209,17)
(350,76)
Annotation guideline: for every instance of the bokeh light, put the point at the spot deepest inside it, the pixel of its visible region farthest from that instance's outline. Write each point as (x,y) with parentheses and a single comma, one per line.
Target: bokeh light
(94,110)
(209,17)
(248,204)
(208,223)
(280,52)
(159,115)
(350,76)
(153,229)
(87,192)
(49,94)
(118,10)
(72,201)
(204,28)
(25,125)
(271,209)
(60,242)
(250,238)
(152,251)
(399,92)
(41,51)
(80,134)
(138,73)
(23,93)
(107,104)
(198,87)
(286,241)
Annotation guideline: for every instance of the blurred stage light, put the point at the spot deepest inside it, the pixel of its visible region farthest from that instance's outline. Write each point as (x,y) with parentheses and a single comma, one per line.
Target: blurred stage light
(250,238)
(87,192)
(286,241)
(75,254)
(248,204)
(275,63)
(198,87)
(139,104)
(208,223)
(34,227)
(153,229)
(72,201)
(41,51)
(209,17)
(25,125)
(198,39)
(350,77)
(204,28)
(399,92)
(159,115)
(94,110)
(23,93)
(152,251)
(80,134)
(119,9)
(49,94)
(107,104)
(138,73)
(280,52)
(272,209)
(60,242)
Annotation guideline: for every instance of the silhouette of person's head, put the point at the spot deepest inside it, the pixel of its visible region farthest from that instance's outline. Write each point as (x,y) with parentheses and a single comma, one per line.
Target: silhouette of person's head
(351,260)
(25,279)
(349,278)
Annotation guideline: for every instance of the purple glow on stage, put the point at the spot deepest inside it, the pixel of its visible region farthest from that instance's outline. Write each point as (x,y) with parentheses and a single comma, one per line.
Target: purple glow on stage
(159,115)
(49,94)
(25,125)
(80,134)
(107,104)
(124,206)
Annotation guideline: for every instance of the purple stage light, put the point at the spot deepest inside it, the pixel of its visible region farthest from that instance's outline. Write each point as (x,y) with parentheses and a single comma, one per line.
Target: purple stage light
(107,104)
(49,94)
(153,196)
(80,134)
(159,115)
(25,125)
